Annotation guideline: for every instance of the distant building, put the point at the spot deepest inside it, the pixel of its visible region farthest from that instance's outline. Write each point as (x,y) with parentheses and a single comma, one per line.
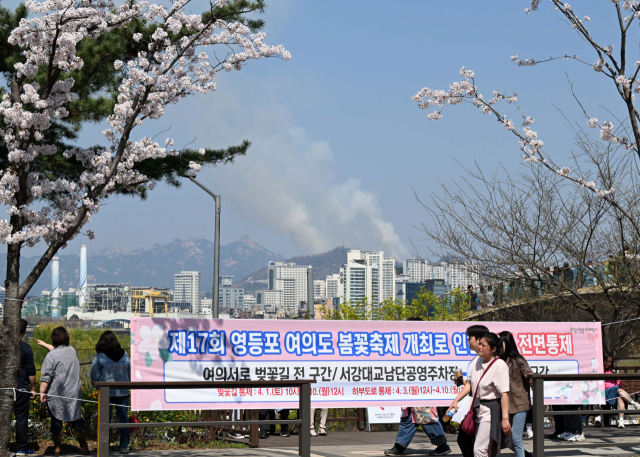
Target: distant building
(248,301)
(230,297)
(418,270)
(319,289)
(408,291)
(461,274)
(270,300)
(333,285)
(368,274)
(295,282)
(187,287)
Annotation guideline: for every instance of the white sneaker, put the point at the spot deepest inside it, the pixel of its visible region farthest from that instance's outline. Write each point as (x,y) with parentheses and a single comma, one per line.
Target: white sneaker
(313,432)
(634,404)
(570,437)
(564,435)
(621,423)
(580,437)
(528,434)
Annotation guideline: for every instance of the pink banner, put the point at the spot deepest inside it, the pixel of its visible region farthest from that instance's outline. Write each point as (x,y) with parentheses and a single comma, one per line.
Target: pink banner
(354,363)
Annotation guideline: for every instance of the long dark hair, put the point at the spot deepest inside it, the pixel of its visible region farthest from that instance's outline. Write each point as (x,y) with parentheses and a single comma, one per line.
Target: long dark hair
(108,342)
(494,341)
(510,347)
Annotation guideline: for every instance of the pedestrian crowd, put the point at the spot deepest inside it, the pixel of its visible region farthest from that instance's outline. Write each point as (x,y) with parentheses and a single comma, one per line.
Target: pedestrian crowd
(61,388)
(498,381)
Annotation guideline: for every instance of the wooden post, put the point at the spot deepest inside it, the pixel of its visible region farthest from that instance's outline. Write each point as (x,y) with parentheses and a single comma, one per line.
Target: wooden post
(254,439)
(361,421)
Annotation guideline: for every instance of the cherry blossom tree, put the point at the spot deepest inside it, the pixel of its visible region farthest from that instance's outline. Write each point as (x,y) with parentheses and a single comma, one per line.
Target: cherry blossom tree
(584,213)
(51,189)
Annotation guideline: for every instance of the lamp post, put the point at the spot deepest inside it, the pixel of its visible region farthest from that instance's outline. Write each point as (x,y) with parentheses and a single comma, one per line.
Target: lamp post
(216,253)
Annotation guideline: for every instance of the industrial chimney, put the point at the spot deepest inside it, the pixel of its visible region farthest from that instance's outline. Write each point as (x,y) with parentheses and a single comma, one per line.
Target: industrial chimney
(83,276)
(55,289)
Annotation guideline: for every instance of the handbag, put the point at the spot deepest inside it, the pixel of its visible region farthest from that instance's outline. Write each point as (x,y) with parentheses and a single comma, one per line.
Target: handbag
(469,424)
(424,415)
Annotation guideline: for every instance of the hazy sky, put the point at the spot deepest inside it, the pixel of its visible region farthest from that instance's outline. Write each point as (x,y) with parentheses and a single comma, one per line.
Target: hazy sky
(338,146)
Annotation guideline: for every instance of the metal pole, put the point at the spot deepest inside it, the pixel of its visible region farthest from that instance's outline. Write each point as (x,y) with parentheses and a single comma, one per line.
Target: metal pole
(304,438)
(538,417)
(215,309)
(216,263)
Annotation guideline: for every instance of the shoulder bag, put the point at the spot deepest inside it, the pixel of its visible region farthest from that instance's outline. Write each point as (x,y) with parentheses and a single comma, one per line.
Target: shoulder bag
(469,424)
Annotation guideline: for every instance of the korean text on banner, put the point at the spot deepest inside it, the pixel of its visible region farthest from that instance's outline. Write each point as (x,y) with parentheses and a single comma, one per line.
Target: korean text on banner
(354,363)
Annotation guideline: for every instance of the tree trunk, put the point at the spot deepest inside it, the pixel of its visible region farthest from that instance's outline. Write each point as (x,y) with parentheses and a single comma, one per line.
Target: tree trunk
(10,345)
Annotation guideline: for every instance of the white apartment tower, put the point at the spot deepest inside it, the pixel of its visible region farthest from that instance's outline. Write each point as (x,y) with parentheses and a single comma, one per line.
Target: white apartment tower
(460,274)
(186,288)
(418,270)
(295,282)
(368,274)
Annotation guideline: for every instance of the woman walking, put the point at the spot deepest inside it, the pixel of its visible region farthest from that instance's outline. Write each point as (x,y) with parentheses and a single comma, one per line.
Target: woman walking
(112,364)
(60,377)
(489,376)
(519,391)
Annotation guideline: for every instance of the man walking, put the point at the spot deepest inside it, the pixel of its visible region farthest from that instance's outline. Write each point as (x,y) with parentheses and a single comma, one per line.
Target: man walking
(26,381)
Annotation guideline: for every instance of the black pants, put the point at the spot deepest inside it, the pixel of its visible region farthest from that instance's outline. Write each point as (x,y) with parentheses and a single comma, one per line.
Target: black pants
(21,410)
(573,424)
(270,414)
(466,442)
(559,420)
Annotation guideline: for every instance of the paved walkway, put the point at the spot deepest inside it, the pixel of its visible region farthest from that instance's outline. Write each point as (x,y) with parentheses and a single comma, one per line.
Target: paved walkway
(354,444)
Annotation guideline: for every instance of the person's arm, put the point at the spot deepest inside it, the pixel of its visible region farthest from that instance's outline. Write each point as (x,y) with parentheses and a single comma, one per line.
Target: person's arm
(45,345)
(32,382)
(466,390)
(94,373)
(525,371)
(47,372)
(43,391)
(504,402)
(30,368)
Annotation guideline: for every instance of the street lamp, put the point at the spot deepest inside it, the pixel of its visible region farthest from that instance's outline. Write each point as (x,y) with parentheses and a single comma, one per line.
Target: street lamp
(216,253)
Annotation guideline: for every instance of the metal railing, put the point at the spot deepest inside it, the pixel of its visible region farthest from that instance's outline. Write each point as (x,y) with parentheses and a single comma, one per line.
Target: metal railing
(530,285)
(104,410)
(539,413)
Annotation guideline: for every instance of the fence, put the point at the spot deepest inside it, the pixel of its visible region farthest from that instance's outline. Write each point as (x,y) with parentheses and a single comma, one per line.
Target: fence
(535,285)
(539,413)
(304,416)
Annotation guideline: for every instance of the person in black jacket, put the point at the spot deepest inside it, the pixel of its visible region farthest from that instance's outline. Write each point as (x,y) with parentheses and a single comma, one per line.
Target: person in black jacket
(26,381)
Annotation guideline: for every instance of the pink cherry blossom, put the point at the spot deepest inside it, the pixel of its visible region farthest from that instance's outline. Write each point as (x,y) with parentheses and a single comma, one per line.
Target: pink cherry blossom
(169,70)
(152,341)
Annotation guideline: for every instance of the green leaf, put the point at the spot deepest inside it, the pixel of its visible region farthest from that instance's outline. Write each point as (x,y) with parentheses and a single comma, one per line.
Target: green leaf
(148,360)
(165,355)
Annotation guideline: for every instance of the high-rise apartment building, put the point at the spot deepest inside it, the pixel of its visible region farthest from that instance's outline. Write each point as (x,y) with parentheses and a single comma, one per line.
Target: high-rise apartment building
(295,282)
(187,286)
(319,289)
(419,270)
(461,274)
(368,274)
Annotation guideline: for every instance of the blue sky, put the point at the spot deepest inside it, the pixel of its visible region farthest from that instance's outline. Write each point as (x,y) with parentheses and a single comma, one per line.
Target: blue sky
(338,145)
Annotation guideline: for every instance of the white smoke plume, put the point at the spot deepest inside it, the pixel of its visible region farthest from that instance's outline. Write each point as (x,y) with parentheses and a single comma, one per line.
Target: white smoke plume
(293,185)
